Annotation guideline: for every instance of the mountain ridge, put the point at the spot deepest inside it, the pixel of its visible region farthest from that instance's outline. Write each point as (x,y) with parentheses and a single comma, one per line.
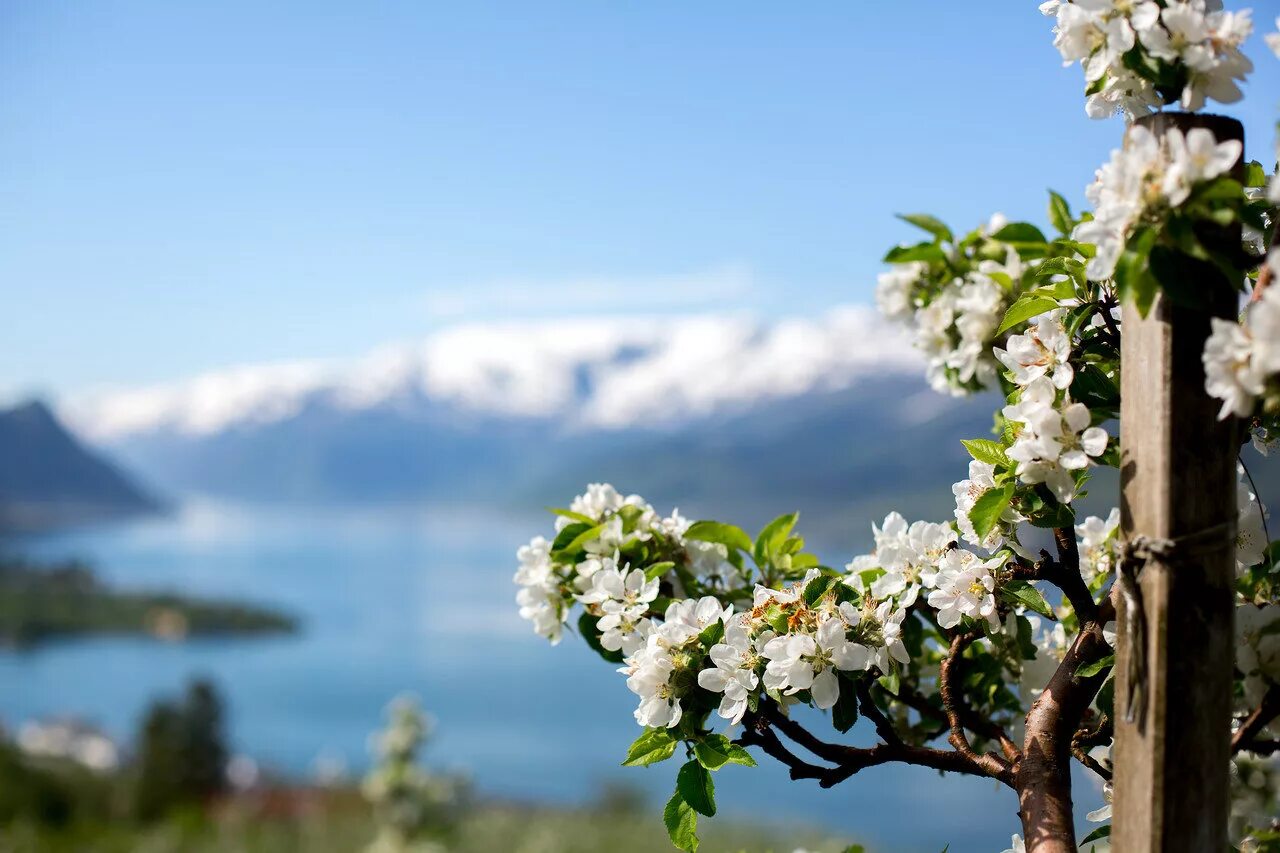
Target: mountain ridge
(49,479)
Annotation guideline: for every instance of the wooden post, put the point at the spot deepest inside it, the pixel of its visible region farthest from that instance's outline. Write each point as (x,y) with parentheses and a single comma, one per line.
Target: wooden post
(1178,480)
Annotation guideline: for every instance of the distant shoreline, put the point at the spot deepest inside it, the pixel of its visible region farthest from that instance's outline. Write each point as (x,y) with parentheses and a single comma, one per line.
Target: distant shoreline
(41,603)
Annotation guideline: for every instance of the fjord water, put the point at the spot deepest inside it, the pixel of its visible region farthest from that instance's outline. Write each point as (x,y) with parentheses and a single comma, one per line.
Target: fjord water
(421,600)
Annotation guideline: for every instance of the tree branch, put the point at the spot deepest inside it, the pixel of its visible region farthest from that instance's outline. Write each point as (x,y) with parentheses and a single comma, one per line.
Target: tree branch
(1257,721)
(1067,577)
(1082,755)
(872,712)
(957,711)
(851,759)
(756,732)
(1261,747)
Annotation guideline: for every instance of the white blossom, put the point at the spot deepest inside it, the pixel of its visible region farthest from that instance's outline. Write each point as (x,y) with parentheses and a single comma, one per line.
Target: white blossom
(540,599)
(622,599)
(1016,845)
(1042,351)
(1098,543)
(966,587)
(736,658)
(981,480)
(1197,36)
(1196,158)
(1240,359)
(1143,176)
(1230,372)
(808,662)
(1258,649)
(1251,528)
(1053,441)
(909,557)
(893,290)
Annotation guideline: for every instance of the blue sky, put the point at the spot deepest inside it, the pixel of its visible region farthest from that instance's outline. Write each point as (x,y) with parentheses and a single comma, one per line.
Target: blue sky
(188,186)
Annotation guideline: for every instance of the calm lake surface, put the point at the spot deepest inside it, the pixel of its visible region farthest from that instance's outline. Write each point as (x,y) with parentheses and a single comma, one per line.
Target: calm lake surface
(421,600)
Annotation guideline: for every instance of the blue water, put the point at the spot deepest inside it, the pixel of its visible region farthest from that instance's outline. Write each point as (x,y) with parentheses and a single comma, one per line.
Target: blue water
(421,600)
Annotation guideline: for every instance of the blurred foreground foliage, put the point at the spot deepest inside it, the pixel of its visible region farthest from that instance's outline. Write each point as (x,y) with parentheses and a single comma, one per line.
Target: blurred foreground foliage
(172,796)
(337,821)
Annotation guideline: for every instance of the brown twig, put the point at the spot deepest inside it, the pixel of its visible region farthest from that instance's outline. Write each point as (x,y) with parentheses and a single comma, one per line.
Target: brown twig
(1066,575)
(851,759)
(1267,711)
(957,711)
(1083,756)
(756,732)
(872,712)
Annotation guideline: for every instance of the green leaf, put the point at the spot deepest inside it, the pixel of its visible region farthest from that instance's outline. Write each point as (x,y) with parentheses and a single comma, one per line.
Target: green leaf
(1098,834)
(986,450)
(892,679)
(845,712)
(927,252)
(591,634)
(816,588)
(681,823)
(651,747)
(739,755)
(1025,308)
(1134,282)
(696,788)
(987,509)
(773,535)
(715,751)
(722,534)
(657,570)
(712,634)
(576,516)
(1019,232)
(1220,189)
(1021,592)
(1107,697)
(933,225)
(569,533)
(1060,213)
(575,544)
(1089,670)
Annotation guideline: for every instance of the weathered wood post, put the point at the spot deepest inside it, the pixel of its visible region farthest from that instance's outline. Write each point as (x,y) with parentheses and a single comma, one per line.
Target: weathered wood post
(1178,481)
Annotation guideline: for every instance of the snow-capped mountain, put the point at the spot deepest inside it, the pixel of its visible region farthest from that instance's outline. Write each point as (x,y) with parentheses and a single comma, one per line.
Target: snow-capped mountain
(586,373)
(716,413)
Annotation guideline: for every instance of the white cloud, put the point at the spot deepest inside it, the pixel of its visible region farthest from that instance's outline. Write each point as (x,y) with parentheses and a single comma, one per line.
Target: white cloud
(592,294)
(587,372)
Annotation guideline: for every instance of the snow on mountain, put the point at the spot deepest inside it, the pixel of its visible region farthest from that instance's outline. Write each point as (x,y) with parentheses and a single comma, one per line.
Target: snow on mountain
(602,372)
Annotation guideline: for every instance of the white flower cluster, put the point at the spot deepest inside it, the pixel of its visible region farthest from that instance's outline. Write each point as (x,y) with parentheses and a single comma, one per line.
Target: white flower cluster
(923,559)
(1257,650)
(1144,178)
(1239,359)
(1251,525)
(981,479)
(1054,438)
(784,643)
(662,670)
(1195,39)
(957,326)
(1099,544)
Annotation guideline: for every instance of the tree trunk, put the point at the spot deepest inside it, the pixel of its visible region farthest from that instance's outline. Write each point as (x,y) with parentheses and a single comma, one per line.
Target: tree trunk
(1042,776)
